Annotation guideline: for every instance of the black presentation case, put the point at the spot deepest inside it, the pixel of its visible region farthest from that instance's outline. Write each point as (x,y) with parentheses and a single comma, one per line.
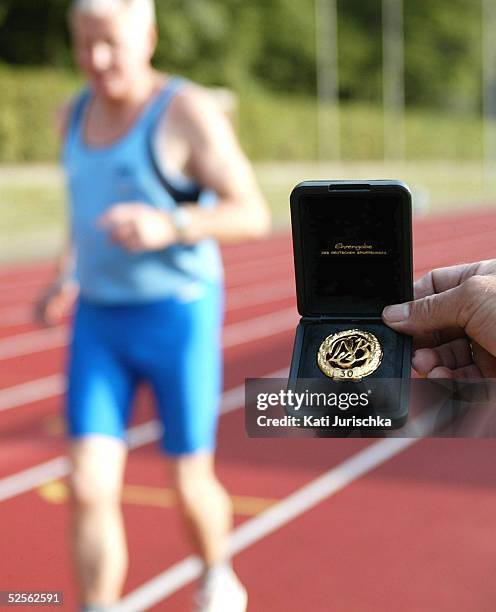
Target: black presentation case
(340,288)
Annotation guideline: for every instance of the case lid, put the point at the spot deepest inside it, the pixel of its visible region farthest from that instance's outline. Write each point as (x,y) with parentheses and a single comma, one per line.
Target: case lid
(352,244)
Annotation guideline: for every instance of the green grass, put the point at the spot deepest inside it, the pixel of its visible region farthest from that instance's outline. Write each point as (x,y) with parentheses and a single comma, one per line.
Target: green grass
(32,200)
(32,212)
(438,186)
(30,208)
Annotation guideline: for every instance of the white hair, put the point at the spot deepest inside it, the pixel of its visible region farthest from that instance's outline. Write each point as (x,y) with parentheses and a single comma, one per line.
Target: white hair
(140,10)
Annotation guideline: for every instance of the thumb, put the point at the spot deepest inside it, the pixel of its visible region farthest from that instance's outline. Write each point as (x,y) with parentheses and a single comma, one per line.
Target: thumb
(428,314)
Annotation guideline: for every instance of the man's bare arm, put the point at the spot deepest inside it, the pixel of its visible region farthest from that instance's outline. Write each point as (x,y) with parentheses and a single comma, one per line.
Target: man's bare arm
(65,260)
(217,163)
(56,300)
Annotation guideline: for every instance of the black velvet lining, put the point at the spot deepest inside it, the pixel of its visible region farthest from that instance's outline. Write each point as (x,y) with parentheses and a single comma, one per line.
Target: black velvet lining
(338,279)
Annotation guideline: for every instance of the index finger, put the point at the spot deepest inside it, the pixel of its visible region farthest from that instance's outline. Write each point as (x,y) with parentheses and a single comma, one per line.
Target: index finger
(436,338)
(442,279)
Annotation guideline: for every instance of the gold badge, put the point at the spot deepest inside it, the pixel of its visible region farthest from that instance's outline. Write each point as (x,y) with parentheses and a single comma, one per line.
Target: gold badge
(349,355)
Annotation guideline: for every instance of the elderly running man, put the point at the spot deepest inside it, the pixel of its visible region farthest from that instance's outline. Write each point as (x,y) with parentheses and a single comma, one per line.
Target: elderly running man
(156,178)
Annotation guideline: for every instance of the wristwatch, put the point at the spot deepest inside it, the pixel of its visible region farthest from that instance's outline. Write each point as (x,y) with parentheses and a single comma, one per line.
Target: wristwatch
(180,219)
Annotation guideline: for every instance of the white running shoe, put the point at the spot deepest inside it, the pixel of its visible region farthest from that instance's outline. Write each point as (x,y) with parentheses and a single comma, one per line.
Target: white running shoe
(221,591)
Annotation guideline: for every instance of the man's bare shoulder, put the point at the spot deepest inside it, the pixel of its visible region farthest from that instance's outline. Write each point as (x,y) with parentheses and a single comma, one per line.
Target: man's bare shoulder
(197,108)
(194,103)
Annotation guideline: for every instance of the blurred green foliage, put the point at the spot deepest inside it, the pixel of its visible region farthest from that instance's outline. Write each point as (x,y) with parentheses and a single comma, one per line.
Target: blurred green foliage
(271,43)
(265,51)
(28,104)
(271,125)
(284,127)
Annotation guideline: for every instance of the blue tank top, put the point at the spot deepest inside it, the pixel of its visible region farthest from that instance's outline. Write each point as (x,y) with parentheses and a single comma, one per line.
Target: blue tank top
(128,170)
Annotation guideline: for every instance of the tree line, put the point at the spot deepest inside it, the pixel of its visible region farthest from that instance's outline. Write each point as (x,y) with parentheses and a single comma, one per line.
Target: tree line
(270,45)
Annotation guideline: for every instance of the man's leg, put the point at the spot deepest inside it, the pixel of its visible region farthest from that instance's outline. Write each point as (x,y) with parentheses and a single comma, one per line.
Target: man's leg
(207,511)
(184,367)
(98,536)
(204,504)
(185,371)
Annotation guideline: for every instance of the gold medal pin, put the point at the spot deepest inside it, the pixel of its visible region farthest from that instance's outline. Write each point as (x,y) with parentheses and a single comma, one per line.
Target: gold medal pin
(352,354)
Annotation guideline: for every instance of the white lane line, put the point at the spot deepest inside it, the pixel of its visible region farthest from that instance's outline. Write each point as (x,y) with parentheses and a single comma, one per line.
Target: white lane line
(263,272)
(234,333)
(263,293)
(33,342)
(32,391)
(260,327)
(255,264)
(139,435)
(279,243)
(238,298)
(15,315)
(234,279)
(244,271)
(14,485)
(25,283)
(245,257)
(302,500)
(53,386)
(16,270)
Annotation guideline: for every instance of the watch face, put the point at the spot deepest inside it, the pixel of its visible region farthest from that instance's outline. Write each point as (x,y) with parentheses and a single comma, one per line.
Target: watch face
(180,219)
(349,355)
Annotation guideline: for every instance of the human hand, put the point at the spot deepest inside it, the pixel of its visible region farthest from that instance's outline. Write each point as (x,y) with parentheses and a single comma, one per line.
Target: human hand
(55,302)
(452,321)
(138,227)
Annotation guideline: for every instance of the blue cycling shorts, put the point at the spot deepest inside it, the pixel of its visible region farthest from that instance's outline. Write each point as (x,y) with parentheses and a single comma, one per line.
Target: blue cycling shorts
(173,344)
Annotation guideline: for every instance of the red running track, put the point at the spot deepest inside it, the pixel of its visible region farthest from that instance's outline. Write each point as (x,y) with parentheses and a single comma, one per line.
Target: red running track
(412,533)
